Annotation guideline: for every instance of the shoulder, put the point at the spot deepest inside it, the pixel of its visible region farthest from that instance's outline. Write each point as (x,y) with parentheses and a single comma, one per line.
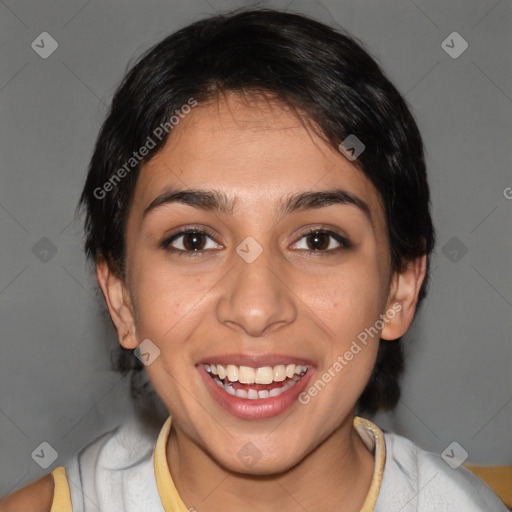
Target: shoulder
(124,449)
(34,497)
(119,448)
(419,480)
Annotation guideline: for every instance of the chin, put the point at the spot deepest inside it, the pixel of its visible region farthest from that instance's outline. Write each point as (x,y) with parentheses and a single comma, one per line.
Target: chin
(251,461)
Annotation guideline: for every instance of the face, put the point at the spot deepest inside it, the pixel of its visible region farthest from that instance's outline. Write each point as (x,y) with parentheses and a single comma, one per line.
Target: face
(254,292)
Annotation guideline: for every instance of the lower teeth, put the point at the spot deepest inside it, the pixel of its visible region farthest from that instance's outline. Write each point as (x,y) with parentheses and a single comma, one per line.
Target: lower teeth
(252,394)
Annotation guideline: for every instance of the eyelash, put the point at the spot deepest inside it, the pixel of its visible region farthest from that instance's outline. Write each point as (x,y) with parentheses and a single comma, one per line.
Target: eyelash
(344,243)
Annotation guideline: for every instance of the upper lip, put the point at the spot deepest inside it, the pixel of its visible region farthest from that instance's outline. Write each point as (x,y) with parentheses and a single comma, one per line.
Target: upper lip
(255,360)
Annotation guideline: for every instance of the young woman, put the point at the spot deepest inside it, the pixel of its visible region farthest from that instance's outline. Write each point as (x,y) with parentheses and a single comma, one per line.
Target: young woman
(257,209)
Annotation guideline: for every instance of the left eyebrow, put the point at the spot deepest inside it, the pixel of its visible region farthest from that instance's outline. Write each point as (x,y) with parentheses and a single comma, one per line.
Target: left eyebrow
(214,200)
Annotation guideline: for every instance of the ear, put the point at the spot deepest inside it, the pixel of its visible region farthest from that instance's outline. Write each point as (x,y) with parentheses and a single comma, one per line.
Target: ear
(403,298)
(119,303)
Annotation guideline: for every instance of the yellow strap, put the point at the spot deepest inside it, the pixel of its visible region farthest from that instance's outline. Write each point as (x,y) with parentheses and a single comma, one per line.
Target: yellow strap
(61,495)
(498,478)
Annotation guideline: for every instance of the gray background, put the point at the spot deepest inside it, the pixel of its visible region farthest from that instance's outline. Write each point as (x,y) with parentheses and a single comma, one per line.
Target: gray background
(55,381)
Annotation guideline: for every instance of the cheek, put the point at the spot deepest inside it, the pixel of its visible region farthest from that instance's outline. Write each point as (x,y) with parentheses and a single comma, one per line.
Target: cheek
(168,305)
(167,302)
(348,300)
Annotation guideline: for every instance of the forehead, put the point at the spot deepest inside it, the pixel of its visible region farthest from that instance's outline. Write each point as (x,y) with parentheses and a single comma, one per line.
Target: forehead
(253,150)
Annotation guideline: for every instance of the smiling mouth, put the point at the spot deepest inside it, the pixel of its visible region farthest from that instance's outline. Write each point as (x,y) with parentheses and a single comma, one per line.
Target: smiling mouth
(255,383)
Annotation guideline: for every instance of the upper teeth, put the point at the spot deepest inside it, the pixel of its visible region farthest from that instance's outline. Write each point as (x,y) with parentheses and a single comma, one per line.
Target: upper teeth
(262,375)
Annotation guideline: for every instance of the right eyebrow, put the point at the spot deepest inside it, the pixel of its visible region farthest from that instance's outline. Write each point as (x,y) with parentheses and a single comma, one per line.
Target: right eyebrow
(212,200)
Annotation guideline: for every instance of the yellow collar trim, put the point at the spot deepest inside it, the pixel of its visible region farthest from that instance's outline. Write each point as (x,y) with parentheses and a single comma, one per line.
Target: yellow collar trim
(373,438)
(168,493)
(371,435)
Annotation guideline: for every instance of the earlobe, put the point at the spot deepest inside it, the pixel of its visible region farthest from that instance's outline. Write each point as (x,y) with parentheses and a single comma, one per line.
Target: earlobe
(118,303)
(404,290)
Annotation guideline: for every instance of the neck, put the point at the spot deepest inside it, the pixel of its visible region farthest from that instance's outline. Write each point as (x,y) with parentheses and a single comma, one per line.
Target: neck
(334,476)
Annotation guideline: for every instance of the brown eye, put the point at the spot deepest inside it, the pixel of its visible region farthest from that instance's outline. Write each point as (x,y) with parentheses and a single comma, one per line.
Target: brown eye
(193,241)
(190,241)
(318,241)
(323,241)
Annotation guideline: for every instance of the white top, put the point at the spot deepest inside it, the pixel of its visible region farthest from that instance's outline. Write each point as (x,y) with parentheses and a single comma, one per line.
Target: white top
(125,470)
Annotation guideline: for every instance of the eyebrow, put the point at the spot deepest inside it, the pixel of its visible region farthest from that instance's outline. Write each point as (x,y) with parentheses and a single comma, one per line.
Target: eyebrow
(214,200)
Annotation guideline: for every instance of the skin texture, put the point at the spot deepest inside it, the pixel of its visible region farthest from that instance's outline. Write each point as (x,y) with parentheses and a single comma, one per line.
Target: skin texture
(292,300)
(34,497)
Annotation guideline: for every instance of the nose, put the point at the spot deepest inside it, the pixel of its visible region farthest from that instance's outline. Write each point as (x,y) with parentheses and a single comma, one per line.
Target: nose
(257,299)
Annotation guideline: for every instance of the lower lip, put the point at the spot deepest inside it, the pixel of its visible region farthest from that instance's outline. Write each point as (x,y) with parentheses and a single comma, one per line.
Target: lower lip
(259,408)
